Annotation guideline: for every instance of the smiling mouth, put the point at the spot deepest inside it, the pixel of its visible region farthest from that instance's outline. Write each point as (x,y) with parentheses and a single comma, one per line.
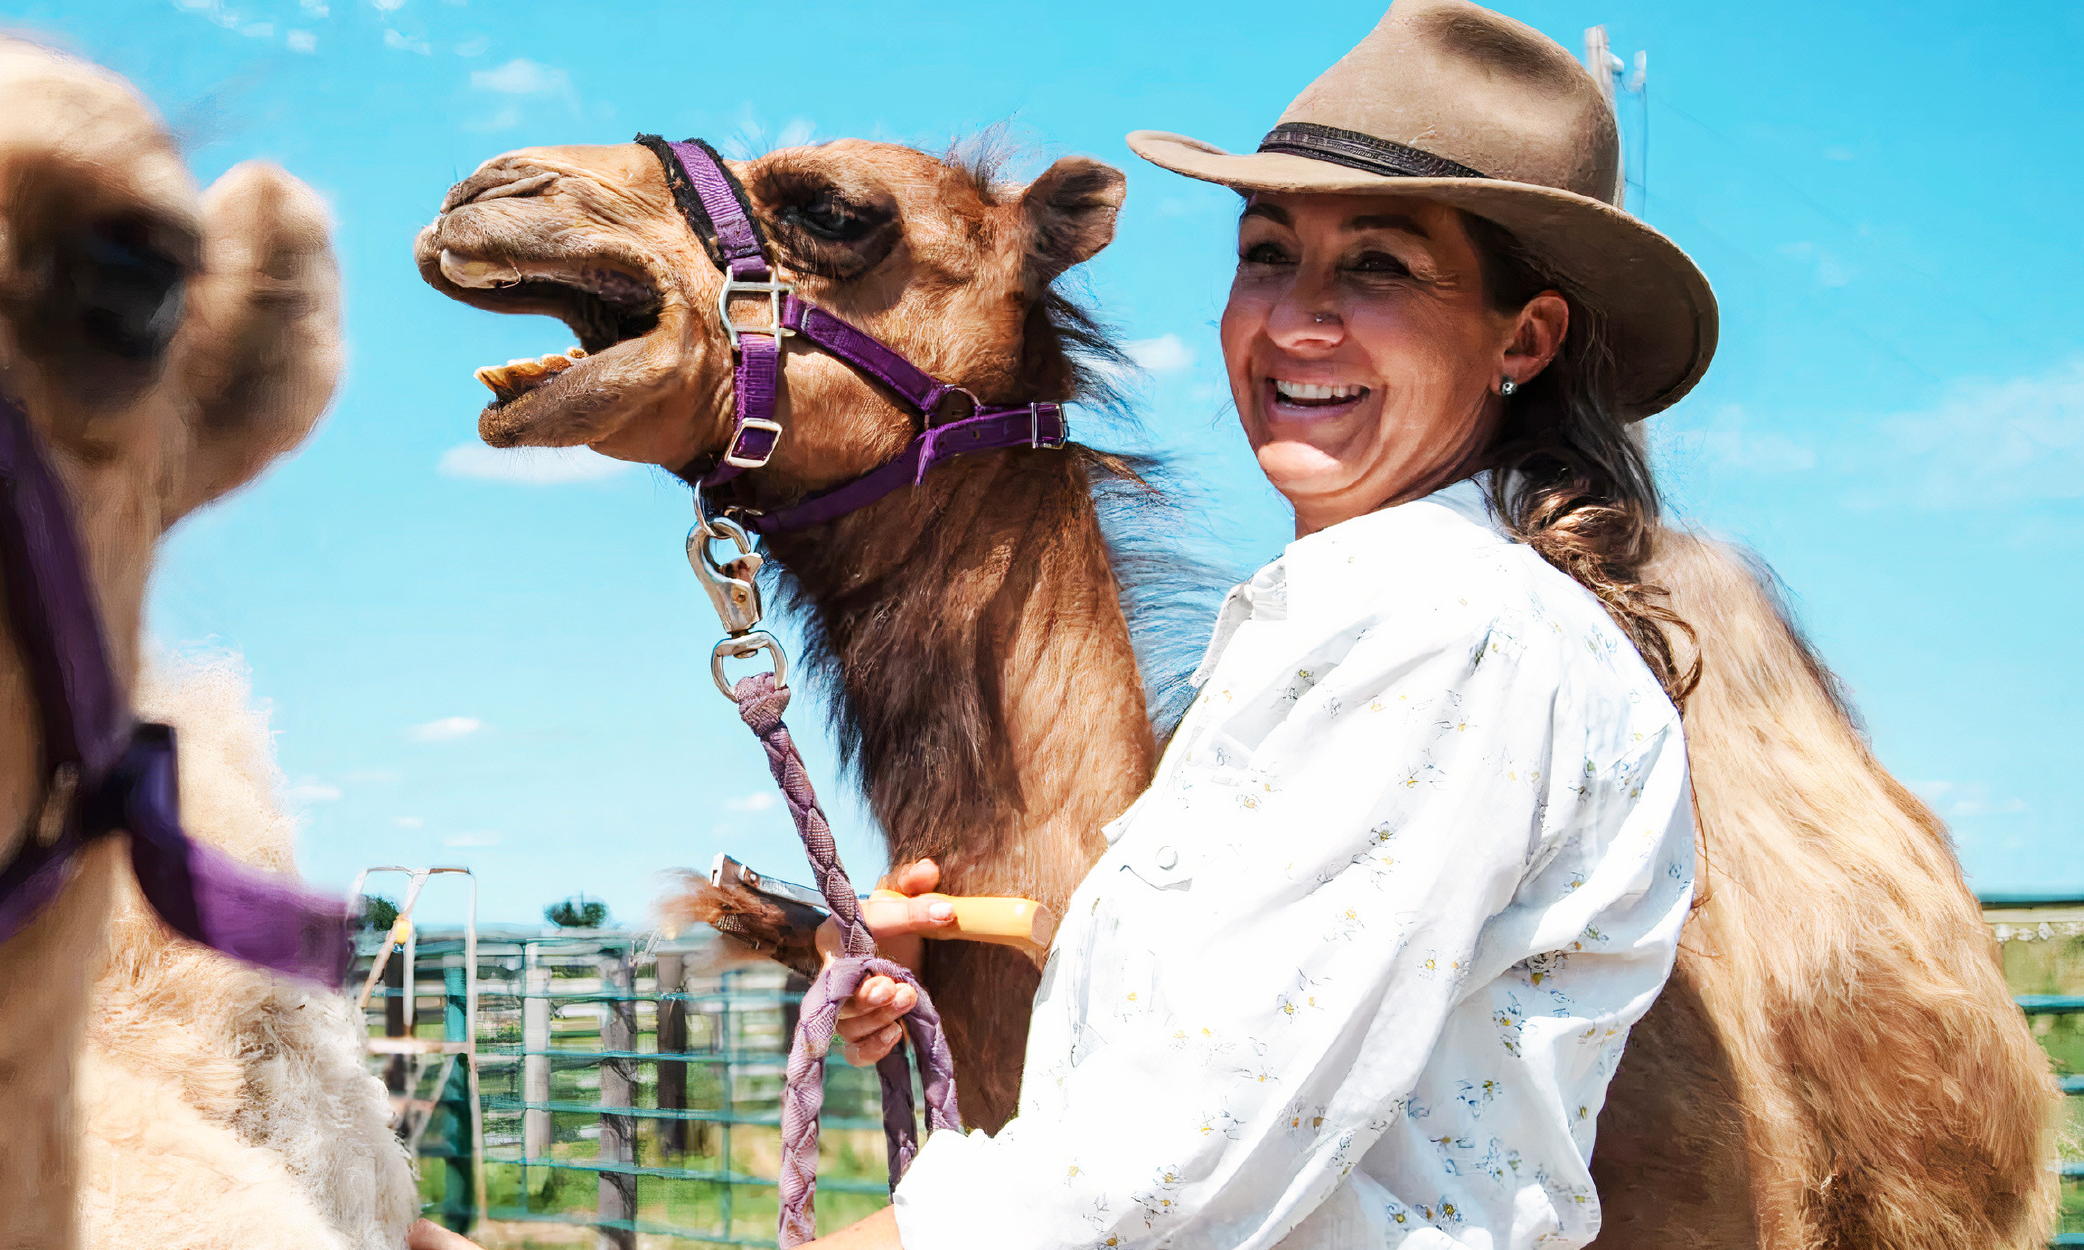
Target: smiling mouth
(1312,399)
(605,307)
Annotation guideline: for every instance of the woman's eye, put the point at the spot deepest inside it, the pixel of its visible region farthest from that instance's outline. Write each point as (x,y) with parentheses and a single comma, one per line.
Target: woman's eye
(1263,254)
(1379,263)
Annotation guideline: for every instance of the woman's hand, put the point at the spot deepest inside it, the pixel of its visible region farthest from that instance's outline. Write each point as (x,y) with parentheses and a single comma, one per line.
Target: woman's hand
(868,1022)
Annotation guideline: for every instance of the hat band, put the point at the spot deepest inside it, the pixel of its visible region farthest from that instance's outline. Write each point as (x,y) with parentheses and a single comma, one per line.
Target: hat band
(1355,150)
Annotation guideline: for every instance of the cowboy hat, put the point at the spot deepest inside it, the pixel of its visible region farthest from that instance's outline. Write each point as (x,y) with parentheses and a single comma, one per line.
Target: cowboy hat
(1450,102)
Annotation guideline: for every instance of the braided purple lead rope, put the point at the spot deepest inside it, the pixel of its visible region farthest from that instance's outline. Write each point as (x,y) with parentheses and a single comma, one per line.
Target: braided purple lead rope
(761,704)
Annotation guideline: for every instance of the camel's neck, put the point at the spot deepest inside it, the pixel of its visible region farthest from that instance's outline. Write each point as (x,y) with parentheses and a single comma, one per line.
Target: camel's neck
(975,629)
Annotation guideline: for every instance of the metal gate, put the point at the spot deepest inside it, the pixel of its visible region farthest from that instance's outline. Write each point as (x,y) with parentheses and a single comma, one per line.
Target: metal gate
(632,1085)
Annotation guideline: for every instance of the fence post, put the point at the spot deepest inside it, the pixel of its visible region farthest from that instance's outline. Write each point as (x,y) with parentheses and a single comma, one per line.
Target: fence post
(672,1038)
(395,1010)
(458,1201)
(535,1064)
(618,1191)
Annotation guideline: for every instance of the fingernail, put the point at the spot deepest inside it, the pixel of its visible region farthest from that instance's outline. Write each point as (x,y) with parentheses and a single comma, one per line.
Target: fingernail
(941,911)
(879,995)
(890,1033)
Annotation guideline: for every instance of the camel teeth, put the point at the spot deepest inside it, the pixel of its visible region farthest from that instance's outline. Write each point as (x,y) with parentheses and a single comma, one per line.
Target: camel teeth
(467,271)
(523,374)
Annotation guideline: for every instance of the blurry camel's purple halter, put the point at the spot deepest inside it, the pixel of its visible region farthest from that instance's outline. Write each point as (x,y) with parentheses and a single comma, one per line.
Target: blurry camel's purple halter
(104,772)
(716,210)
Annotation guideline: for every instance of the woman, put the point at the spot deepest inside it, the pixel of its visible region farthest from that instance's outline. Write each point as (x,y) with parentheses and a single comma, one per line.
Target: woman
(1356,969)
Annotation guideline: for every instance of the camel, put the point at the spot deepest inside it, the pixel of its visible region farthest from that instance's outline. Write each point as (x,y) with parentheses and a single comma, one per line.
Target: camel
(167,345)
(221,1105)
(1836,1061)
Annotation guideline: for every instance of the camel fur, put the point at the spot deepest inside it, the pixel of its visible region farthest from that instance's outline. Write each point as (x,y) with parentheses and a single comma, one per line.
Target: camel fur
(1836,1062)
(167,345)
(222,1105)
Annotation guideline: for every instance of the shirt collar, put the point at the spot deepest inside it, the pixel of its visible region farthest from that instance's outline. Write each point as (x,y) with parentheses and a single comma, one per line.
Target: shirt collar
(1341,567)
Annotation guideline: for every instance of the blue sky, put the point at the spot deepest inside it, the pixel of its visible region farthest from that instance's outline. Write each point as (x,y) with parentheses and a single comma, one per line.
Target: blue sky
(503,664)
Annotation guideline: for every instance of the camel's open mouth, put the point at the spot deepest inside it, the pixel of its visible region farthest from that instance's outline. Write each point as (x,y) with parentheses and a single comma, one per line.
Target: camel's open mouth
(603,306)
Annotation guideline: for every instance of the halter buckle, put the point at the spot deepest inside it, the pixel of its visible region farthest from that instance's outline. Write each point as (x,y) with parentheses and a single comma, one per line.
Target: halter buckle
(774,291)
(1035,428)
(740,460)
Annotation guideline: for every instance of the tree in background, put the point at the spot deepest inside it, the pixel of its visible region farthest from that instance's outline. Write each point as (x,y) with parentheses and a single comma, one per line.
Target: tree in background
(577,912)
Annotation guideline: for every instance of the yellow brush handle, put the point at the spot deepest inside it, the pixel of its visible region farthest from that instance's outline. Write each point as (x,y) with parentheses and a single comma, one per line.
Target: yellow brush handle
(1019,922)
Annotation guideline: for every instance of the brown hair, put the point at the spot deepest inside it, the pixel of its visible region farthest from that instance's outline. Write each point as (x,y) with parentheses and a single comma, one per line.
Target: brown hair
(1569,478)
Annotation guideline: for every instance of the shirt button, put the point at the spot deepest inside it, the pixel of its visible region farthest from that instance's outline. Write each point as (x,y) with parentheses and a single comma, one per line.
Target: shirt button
(1167,857)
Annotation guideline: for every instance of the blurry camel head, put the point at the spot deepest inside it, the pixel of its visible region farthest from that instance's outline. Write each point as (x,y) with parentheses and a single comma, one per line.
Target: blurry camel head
(166,345)
(926,254)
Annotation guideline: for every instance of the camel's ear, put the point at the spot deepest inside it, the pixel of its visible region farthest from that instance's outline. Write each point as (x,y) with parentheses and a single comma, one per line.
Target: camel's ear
(259,348)
(1070,211)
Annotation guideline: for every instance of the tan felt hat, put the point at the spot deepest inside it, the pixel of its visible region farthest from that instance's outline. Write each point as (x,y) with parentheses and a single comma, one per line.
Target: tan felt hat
(1450,102)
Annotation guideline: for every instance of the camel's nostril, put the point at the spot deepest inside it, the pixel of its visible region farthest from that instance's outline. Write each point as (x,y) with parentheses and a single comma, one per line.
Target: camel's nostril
(500,182)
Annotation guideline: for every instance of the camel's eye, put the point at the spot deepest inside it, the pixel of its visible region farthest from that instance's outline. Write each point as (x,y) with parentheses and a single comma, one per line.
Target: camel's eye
(125,284)
(829,217)
(824,227)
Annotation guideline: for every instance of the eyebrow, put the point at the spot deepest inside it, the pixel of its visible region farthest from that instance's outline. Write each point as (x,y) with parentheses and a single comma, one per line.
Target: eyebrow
(1371,221)
(1389,221)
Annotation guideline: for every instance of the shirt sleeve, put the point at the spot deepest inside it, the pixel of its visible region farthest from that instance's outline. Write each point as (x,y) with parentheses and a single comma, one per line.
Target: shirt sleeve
(1363,956)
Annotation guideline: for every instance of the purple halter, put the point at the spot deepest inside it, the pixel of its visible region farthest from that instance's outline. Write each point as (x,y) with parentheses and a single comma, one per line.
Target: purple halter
(715,208)
(108,773)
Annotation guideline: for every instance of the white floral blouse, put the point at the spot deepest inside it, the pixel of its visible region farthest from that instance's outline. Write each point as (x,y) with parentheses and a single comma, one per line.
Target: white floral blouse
(1356,969)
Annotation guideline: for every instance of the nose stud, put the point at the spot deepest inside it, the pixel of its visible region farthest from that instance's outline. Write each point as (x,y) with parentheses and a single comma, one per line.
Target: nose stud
(1319,318)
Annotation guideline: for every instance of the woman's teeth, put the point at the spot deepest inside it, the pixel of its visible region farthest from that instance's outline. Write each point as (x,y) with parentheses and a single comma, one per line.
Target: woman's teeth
(1310,392)
(518,377)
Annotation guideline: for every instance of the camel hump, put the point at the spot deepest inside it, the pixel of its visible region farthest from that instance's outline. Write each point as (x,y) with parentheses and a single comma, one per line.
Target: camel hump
(1891,1093)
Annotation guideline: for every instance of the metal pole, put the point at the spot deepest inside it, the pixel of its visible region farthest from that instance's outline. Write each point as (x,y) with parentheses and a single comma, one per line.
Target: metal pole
(672,1039)
(618,1190)
(726,1041)
(470,1010)
(394,1025)
(457,1202)
(535,1062)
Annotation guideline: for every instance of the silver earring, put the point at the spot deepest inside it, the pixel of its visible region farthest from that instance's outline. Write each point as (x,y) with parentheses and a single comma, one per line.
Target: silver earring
(1506,386)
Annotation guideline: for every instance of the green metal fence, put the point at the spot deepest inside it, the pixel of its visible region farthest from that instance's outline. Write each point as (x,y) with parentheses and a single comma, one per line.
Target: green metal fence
(2041,937)
(628,1086)
(632,1086)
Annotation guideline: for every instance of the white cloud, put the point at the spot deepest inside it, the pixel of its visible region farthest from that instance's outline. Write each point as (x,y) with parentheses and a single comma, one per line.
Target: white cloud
(474,47)
(387,6)
(447,729)
(314,8)
(479,838)
(757,801)
(392,39)
(214,10)
(1829,269)
(522,76)
(1993,443)
(1168,353)
(1955,799)
(301,41)
(408,822)
(529,466)
(309,792)
(1731,441)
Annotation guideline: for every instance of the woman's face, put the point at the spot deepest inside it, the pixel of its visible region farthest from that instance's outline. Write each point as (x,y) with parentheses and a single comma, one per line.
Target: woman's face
(1362,356)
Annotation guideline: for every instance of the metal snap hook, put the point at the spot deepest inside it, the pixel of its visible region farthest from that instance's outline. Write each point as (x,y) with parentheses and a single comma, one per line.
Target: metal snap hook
(730,585)
(744,648)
